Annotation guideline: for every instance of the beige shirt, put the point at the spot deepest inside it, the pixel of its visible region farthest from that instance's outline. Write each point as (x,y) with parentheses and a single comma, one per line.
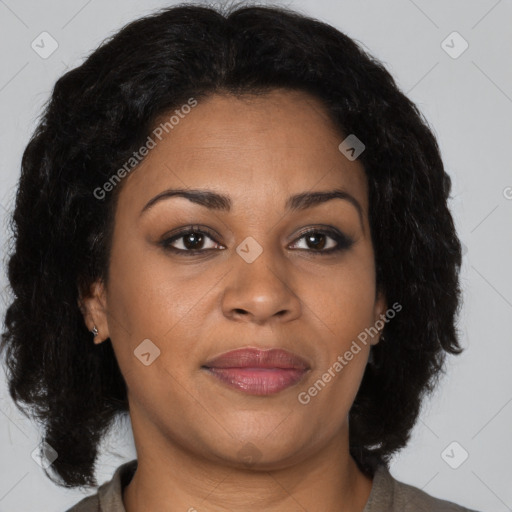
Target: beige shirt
(387,495)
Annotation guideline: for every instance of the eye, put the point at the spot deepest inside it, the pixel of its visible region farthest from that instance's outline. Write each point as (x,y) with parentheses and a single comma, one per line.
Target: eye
(191,240)
(317,238)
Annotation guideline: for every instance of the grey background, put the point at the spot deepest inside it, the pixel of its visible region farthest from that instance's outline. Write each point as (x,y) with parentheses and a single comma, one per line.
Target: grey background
(468,102)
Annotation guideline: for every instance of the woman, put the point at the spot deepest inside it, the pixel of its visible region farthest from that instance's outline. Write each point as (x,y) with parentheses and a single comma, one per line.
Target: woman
(251,220)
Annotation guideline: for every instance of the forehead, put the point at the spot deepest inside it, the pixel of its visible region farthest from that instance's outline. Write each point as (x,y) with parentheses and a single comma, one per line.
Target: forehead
(267,147)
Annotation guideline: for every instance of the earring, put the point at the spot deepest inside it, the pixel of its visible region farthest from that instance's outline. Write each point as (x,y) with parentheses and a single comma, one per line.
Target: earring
(95,331)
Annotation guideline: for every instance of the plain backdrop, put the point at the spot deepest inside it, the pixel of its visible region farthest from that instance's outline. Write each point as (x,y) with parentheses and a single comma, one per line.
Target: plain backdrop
(466,96)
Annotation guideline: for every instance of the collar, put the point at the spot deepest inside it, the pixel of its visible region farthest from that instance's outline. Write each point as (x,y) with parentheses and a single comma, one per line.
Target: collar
(110,494)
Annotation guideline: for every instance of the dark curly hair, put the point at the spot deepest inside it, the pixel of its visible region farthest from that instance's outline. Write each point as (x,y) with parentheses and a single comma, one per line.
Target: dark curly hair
(102,111)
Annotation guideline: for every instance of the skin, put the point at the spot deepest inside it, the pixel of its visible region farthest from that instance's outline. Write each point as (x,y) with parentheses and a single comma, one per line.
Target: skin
(188,427)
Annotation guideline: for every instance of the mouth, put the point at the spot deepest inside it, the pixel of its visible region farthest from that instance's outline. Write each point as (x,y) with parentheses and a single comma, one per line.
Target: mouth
(258,372)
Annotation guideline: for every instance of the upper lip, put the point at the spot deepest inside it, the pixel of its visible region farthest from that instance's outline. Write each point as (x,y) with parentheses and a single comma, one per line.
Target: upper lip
(257,358)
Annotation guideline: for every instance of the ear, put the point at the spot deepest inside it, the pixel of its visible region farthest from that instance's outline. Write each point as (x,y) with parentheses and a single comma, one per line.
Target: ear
(379,313)
(94,310)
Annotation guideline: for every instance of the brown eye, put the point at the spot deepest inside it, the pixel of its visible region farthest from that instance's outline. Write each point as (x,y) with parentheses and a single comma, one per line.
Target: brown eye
(191,241)
(318,241)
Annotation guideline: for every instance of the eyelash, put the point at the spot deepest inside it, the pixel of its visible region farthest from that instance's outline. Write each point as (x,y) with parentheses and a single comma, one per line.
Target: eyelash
(343,242)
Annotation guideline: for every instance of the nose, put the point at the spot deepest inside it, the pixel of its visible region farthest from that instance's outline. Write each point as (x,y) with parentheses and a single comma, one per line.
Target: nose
(261,291)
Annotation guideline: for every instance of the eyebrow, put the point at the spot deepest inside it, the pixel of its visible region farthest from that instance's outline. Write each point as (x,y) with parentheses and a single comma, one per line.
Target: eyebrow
(220,202)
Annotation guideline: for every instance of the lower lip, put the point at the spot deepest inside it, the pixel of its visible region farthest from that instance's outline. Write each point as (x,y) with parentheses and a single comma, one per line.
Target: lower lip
(258,381)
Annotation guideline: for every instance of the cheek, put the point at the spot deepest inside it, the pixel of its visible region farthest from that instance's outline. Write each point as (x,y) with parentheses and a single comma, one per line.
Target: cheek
(146,290)
(152,298)
(343,309)
(344,297)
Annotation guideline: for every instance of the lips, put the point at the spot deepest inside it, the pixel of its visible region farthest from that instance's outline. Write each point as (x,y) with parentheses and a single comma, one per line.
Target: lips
(258,372)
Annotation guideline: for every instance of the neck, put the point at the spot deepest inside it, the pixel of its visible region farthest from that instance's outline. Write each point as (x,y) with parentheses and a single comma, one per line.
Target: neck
(176,479)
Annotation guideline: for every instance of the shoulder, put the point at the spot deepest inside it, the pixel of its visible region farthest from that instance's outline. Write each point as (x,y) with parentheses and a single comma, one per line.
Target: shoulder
(89,504)
(109,497)
(389,494)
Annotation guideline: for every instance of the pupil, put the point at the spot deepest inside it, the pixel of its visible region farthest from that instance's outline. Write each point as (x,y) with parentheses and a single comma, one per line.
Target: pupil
(195,238)
(312,238)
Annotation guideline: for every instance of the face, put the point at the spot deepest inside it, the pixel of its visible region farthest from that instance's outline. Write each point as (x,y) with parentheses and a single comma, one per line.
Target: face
(197,280)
